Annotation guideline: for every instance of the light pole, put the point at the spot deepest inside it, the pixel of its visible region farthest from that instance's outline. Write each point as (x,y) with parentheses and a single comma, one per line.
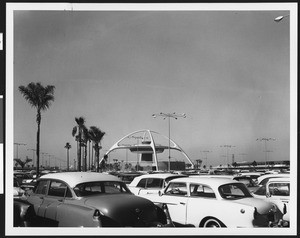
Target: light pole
(17,144)
(169,116)
(205,151)
(227,146)
(33,150)
(266,152)
(137,151)
(279,18)
(43,158)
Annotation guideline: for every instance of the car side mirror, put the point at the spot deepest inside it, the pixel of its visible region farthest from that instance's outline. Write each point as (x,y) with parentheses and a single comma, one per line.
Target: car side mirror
(268,194)
(160,193)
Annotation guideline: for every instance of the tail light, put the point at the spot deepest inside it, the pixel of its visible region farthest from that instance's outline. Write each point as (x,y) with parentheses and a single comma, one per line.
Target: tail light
(97,214)
(284,209)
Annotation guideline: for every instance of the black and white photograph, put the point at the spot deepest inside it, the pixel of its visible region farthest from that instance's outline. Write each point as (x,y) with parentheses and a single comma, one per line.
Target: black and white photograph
(151,119)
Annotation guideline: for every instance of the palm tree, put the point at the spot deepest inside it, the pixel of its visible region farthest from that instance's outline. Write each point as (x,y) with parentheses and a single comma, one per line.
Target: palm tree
(39,97)
(78,133)
(96,136)
(85,140)
(23,163)
(68,147)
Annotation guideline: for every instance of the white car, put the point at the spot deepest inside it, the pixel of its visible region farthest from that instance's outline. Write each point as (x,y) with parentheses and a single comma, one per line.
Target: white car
(151,183)
(262,180)
(215,202)
(276,190)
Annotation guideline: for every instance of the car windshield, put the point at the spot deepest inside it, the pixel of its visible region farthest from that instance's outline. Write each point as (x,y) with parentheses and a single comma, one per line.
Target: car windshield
(234,191)
(101,187)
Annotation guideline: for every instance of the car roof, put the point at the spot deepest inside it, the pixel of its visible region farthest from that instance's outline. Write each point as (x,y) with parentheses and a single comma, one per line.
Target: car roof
(159,175)
(279,179)
(155,175)
(259,179)
(74,178)
(213,181)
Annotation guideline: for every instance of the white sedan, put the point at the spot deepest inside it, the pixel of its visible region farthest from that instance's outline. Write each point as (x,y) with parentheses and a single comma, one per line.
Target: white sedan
(215,202)
(151,183)
(276,190)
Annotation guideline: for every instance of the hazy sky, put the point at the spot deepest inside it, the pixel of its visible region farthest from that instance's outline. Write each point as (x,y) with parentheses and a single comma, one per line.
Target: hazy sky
(229,71)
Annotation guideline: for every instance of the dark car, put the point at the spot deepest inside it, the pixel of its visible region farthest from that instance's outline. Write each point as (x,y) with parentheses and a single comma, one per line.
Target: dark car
(87,199)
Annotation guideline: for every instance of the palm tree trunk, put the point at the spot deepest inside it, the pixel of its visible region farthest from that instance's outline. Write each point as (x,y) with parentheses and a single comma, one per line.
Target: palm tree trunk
(85,157)
(89,155)
(68,159)
(38,148)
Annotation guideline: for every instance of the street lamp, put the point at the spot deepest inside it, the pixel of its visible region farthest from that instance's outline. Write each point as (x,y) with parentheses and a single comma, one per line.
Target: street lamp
(206,151)
(266,151)
(169,115)
(279,18)
(33,150)
(227,146)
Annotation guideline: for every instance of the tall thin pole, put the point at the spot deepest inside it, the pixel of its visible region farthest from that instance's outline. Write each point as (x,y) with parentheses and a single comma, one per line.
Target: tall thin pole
(137,151)
(33,150)
(265,143)
(17,144)
(227,152)
(169,115)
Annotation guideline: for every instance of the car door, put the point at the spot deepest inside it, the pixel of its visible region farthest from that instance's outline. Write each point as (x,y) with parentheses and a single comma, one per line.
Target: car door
(54,198)
(176,198)
(37,197)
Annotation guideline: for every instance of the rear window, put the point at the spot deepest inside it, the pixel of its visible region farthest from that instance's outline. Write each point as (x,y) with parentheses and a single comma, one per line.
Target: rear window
(234,191)
(279,189)
(103,187)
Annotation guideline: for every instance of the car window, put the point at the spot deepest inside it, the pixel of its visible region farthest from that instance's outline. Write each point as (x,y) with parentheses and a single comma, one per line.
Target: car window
(102,187)
(261,191)
(234,191)
(177,189)
(57,189)
(154,183)
(142,183)
(199,190)
(41,187)
(279,189)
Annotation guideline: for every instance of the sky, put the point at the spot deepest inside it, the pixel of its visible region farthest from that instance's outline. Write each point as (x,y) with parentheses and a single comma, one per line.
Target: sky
(228,71)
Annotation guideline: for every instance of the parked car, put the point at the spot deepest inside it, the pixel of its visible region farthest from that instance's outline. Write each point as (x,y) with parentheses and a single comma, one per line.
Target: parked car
(22,177)
(215,202)
(277,190)
(127,177)
(17,191)
(86,199)
(250,183)
(151,183)
(262,180)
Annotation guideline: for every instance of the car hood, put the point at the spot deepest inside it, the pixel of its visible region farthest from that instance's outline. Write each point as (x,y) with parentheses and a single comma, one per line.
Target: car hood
(124,209)
(262,206)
